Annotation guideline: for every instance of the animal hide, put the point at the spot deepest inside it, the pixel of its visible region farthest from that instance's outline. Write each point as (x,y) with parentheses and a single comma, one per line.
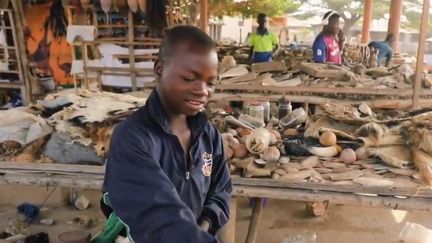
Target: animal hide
(397,156)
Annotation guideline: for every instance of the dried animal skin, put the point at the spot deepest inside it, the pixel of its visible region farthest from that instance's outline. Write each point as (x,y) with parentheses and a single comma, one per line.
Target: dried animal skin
(346,175)
(253,171)
(315,176)
(423,162)
(310,162)
(422,139)
(333,165)
(322,123)
(242,163)
(372,182)
(235,72)
(397,156)
(297,176)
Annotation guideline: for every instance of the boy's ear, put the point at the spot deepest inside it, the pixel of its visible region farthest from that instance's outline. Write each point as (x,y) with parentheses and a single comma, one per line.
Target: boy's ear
(158,69)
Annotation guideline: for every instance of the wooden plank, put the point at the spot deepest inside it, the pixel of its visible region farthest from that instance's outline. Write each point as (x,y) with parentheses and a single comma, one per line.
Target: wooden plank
(10,85)
(60,181)
(263,67)
(356,188)
(333,197)
(18,23)
(227,233)
(131,50)
(54,167)
(255,220)
(322,90)
(144,71)
(320,70)
(314,99)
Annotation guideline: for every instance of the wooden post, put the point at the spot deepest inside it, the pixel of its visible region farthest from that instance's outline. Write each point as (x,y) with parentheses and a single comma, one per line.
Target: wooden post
(227,233)
(203,15)
(20,48)
(131,50)
(420,54)
(85,63)
(367,19)
(394,21)
(255,220)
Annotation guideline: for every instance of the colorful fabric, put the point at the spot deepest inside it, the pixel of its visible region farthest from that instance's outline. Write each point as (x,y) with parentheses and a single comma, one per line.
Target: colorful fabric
(263,43)
(262,56)
(326,50)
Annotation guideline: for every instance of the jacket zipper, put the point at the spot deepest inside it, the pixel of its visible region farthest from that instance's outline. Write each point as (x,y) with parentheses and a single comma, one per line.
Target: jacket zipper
(188,165)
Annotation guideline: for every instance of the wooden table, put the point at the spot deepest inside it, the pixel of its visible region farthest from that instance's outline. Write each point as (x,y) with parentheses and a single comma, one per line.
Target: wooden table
(91,177)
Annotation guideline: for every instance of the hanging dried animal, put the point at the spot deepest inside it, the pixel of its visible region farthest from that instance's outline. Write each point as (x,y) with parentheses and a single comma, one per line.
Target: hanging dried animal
(106,5)
(121,5)
(142,5)
(42,53)
(57,20)
(133,5)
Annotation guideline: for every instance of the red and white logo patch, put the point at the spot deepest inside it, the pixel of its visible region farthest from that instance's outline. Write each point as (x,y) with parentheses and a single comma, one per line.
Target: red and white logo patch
(208,164)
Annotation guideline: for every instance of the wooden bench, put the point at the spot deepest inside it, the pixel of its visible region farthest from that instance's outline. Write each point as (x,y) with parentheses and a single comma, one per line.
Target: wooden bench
(91,177)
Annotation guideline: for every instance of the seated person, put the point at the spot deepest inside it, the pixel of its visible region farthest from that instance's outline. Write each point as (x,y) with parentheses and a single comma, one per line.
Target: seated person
(383,49)
(166,177)
(327,47)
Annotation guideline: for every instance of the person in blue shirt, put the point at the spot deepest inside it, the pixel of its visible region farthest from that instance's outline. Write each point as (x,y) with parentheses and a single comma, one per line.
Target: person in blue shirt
(383,49)
(166,178)
(263,42)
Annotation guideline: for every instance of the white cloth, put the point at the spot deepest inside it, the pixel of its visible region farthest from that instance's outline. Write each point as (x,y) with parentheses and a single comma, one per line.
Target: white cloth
(111,49)
(22,127)
(86,32)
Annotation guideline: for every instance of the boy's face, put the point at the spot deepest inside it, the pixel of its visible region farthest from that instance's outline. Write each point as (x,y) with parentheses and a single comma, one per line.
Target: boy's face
(188,79)
(262,22)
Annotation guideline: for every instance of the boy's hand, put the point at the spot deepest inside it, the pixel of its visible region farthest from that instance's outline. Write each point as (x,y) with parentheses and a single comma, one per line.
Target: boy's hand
(204,225)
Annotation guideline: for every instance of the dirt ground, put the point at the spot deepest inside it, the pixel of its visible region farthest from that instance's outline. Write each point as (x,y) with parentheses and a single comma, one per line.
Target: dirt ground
(280,219)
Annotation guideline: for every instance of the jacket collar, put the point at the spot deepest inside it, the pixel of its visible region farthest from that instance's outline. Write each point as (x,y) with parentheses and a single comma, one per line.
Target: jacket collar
(158,115)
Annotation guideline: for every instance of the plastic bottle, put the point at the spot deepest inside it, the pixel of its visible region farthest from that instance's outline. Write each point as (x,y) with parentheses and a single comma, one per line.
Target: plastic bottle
(284,107)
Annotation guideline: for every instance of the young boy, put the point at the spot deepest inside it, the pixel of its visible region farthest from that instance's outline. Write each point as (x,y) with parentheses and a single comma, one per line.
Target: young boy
(327,47)
(263,42)
(166,177)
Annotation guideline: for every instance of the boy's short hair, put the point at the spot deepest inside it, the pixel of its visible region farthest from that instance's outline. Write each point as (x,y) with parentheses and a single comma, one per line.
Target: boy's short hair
(261,16)
(181,34)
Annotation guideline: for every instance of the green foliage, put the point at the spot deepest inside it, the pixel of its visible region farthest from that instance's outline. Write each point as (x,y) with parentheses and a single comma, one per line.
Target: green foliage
(352,11)
(251,8)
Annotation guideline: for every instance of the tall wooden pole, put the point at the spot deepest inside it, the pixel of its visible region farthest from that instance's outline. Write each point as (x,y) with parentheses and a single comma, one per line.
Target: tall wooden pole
(203,15)
(131,37)
(394,21)
(20,24)
(420,54)
(367,20)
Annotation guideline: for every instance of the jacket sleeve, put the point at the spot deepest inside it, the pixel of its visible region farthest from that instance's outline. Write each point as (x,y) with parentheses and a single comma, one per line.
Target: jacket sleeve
(216,206)
(144,198)
(319,50)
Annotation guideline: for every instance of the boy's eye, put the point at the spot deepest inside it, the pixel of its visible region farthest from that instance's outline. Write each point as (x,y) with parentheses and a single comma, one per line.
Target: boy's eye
(188,79)
(212,83)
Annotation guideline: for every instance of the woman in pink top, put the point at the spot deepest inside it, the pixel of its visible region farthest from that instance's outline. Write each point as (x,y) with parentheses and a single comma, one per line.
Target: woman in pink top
(328,44)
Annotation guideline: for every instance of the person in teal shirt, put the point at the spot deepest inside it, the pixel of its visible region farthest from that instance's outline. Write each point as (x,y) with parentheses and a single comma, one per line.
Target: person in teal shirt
(263,42)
